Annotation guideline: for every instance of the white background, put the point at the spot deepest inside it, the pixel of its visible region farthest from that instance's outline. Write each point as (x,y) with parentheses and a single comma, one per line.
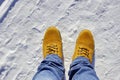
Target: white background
(24,22)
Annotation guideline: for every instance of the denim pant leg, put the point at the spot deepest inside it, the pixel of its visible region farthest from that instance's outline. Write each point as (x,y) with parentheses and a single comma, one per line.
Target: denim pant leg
(51,68)
(82,69)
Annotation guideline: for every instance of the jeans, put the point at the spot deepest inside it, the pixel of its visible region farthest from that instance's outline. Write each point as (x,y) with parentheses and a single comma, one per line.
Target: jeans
(52,68)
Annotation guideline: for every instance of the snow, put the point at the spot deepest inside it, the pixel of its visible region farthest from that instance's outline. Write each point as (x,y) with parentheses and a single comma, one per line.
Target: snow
(22,27)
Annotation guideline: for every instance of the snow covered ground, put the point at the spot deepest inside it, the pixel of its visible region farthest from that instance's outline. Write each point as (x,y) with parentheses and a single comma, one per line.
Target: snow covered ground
(23,22)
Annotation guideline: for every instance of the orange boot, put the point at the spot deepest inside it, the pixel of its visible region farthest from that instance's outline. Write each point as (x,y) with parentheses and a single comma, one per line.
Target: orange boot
(52,42)
(84,45)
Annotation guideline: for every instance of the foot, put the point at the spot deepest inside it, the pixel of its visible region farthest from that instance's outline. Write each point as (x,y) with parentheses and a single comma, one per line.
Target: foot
(52,42)
(84,46)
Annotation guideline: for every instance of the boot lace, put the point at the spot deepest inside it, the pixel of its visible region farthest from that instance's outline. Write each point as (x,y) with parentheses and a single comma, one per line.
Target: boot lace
(52,49)
(83,51)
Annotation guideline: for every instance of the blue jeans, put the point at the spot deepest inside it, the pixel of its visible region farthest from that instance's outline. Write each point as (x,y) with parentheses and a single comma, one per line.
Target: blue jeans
(52,68)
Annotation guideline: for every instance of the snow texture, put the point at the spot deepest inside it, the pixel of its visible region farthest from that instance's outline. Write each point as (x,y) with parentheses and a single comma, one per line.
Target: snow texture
(23,23)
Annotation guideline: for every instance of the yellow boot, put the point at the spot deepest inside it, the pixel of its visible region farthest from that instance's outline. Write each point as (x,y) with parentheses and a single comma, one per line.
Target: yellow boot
(52,42)
(84,45)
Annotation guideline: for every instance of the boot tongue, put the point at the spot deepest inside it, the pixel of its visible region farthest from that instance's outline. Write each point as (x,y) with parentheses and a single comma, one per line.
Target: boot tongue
(85,51)
(52,48)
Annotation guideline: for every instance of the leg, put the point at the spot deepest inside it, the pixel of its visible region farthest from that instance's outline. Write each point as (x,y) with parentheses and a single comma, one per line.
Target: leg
(82,69)
(50,69)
